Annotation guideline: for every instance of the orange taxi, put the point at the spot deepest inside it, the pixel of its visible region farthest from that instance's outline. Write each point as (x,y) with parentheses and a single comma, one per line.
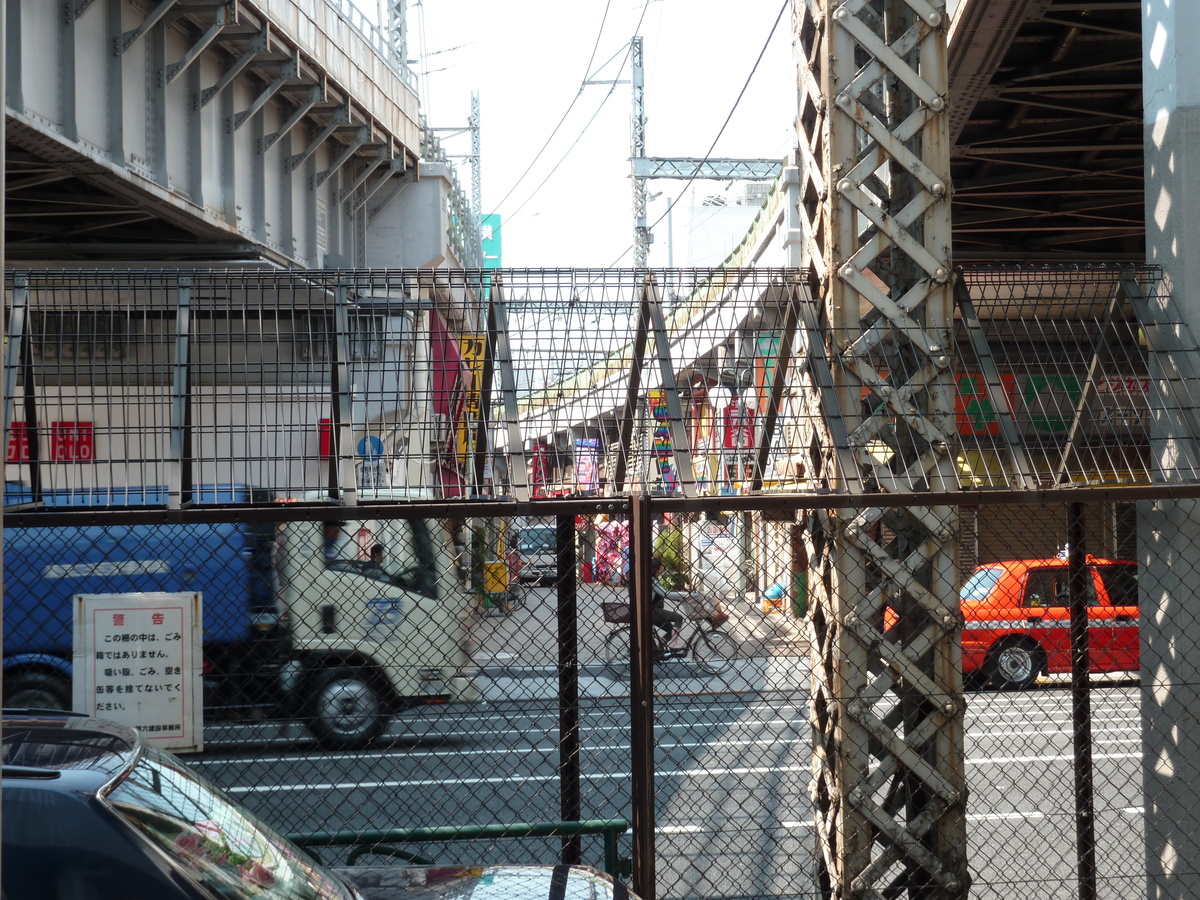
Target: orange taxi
(1017,619)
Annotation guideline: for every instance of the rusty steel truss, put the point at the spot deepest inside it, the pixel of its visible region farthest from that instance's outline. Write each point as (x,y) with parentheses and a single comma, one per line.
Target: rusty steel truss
(888,773)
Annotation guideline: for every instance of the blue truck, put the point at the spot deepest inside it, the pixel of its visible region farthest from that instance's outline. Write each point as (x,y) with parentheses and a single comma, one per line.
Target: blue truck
(230,564)
(340,622)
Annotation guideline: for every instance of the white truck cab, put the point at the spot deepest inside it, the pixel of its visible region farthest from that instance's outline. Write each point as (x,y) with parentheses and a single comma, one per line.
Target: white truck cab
(378,622)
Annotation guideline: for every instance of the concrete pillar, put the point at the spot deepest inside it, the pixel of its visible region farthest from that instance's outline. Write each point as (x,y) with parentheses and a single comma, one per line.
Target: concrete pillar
(1169,531)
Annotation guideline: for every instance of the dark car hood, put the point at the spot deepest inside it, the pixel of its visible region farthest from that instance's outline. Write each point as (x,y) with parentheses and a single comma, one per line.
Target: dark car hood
(484,883)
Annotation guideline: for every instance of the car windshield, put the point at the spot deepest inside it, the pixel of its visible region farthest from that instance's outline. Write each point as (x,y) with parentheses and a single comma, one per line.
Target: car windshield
(979,585)
(222,845)
(538,540)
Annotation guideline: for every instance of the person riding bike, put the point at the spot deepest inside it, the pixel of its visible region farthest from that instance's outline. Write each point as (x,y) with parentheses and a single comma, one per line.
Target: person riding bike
(668,620)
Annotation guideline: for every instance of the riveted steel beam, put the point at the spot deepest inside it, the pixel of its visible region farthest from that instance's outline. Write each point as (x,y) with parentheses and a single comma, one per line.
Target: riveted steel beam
(396,165)
(156,15)
(225,16)
(317,93)
(361,137)
(288,71)
(341,118)
(384,155)
(258,45)
(888,767)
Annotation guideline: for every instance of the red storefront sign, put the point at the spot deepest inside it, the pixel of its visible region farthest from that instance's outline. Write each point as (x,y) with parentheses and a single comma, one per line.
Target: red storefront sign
(68,442)
(325,437)
(539,471)
(738,419)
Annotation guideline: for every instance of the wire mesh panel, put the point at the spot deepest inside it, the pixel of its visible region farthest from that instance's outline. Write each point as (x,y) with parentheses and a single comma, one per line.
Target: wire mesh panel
(512,706)
(457,384)
(549,383)
(405,506)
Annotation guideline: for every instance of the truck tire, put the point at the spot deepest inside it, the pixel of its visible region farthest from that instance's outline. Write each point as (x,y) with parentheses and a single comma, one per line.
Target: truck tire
(347,709)
(36,690)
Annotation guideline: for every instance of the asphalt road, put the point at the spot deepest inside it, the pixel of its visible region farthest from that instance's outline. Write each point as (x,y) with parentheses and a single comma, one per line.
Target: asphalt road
(733,757)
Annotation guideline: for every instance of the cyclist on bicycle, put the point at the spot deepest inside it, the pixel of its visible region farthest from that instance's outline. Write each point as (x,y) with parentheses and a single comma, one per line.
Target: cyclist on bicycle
(669,621)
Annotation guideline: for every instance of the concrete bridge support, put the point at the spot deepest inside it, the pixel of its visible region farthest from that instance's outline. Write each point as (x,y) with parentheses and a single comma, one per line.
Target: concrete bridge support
(1169,530)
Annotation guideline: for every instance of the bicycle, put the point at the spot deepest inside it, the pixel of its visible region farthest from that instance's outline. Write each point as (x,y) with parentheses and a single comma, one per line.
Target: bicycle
(712,649)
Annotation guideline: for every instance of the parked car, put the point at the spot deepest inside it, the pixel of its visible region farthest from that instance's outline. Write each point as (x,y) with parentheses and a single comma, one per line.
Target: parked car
(1017,619)
(92,811)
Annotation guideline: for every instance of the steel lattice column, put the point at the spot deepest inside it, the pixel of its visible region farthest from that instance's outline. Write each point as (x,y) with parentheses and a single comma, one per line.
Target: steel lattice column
(888,780)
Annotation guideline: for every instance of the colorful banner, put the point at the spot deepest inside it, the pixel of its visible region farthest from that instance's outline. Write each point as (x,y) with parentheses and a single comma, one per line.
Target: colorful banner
(738,430)
(664,451)
(587,464)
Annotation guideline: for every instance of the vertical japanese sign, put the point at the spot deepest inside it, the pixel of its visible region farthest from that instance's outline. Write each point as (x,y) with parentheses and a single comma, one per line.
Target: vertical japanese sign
(738,440)
(138,661)
(472,348)
(539,471)
(766,355)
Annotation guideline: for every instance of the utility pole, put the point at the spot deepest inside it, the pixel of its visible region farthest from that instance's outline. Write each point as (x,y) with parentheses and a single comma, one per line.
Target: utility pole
(644,168)
(476,159)
(473,158)
(641,234)
(397,25)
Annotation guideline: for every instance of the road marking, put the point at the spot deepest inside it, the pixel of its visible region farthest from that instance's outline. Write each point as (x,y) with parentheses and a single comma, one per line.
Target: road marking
(1061,757)
(800,741)
(506,779)
(408,754)
(610,775)
(539,750)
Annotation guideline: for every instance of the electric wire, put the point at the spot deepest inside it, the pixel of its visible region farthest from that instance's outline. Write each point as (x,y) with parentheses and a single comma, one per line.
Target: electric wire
(725,124)
(612,88)
(546,144)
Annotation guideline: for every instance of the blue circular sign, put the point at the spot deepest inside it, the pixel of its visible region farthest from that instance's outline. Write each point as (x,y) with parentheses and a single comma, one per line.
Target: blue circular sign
(370,447)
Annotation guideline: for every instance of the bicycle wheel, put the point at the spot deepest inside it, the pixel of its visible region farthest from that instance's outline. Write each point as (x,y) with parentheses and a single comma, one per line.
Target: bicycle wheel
(714,650)
(616,651)
(515,598)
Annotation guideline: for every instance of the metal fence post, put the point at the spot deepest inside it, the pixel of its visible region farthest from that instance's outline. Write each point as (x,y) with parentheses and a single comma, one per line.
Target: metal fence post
(641,696)
(1081,710)
(568,687)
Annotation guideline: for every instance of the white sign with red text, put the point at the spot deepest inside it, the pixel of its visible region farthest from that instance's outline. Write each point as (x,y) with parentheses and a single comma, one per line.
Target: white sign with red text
(138,660)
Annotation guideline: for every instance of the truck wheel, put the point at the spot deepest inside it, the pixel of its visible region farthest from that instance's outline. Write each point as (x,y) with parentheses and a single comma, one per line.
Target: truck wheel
(347,709)
(1014,664)
(36,690)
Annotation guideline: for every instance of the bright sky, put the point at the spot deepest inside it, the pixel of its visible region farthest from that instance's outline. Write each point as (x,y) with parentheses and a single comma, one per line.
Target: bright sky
(528,59)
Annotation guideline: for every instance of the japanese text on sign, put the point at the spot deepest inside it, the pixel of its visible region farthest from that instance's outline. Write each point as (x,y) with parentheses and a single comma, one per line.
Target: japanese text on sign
(137,661)
(69,442)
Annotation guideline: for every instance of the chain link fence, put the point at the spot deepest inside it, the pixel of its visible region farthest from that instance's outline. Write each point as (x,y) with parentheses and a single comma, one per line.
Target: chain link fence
(419,644)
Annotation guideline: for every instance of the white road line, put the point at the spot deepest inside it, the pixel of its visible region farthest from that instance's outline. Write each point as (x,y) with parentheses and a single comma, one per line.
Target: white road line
(1003,817)
(609,776)
(506,779)
(1061,757)
(454,753)
(773,741)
